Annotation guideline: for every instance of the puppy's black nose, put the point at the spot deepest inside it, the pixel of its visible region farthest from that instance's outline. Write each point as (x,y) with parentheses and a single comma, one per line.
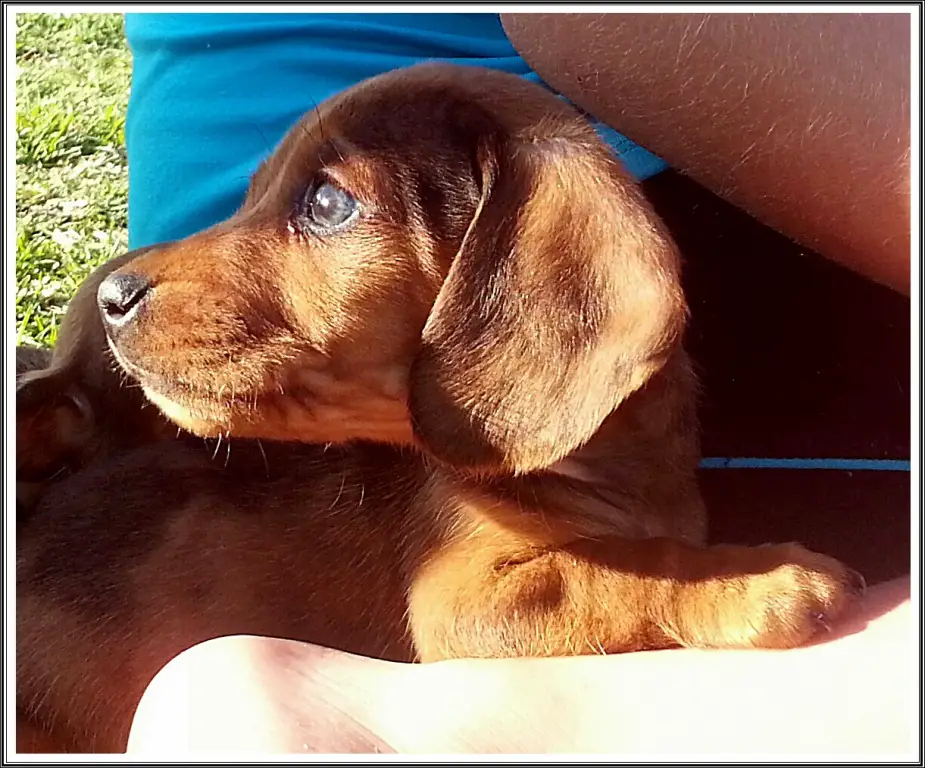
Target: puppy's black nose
(119,297)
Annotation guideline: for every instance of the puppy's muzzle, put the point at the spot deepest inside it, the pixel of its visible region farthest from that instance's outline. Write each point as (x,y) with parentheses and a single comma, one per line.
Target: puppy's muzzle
(120,298)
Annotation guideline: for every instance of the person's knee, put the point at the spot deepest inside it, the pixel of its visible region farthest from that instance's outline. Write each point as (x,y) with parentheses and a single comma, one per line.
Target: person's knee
(208,698)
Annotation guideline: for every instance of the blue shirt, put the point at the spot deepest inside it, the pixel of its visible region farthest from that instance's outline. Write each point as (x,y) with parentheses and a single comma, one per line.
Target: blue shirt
(212,95)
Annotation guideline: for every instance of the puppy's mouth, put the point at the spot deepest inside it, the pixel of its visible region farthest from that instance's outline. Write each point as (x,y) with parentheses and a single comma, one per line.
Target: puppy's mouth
(203,410)
(285,402)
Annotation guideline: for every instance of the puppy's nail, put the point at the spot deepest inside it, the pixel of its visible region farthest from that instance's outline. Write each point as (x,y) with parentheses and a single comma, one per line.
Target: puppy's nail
(856,584)
(822,622)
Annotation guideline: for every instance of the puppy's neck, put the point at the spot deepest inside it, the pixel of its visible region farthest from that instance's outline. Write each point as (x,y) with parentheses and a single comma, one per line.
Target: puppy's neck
(640,467)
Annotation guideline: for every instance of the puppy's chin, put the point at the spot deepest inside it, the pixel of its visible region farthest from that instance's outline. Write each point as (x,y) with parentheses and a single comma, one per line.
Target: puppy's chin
(187,419)
(205,416)
(199,416)
(286,419)
(294,405)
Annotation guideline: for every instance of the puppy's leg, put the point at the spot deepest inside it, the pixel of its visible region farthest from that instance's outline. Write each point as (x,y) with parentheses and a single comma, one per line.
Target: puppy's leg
(498,597)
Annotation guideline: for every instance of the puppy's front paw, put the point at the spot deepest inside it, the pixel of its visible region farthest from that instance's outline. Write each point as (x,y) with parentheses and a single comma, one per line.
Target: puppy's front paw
(796,600)
(775,596)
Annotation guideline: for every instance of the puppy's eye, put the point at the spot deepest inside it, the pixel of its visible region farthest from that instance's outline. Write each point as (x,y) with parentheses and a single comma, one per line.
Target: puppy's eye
(328,208)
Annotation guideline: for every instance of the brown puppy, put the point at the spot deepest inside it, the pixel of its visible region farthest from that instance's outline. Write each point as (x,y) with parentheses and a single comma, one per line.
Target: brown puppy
(73,404)
(443,274)
(74,407)
(29,360)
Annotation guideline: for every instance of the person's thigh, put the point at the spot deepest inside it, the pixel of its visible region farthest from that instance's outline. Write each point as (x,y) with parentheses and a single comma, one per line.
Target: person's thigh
(267,696)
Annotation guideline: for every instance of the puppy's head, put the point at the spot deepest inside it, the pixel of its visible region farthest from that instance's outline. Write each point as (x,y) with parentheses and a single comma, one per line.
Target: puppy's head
(444,256)
(71,405)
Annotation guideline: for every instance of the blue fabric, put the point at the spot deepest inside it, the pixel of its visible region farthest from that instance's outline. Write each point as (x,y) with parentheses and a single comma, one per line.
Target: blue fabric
(844,465)
(212,94)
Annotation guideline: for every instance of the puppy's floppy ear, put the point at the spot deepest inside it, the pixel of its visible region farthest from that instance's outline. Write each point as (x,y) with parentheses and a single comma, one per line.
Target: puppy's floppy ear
(69,402)
(563,300)
(54,422)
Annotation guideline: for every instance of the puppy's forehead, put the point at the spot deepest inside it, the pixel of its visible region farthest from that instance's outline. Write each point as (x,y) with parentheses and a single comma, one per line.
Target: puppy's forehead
(426,114)
(429,98)
(401,111)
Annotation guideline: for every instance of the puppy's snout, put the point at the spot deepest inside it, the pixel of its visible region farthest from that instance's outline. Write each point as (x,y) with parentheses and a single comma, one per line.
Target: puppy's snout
(119,298)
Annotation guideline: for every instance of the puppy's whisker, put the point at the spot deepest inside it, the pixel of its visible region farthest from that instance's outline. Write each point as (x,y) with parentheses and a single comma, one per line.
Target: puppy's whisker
(263,453)
(263,136)
(217,445)
(343,482)
(317,110)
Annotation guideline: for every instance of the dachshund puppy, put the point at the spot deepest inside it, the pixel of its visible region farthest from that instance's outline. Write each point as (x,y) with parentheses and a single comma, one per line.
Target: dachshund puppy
(28,360)
(444,337)
(71,407)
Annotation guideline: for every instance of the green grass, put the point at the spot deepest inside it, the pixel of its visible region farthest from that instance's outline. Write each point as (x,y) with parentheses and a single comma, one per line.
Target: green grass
(72,85)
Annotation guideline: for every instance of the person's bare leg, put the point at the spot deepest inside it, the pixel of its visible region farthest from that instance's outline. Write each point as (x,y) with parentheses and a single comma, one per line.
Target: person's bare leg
(251,695)
(803,120)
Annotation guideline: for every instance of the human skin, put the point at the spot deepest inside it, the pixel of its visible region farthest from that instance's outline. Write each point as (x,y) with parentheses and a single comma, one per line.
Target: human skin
(849,695)
(801,119)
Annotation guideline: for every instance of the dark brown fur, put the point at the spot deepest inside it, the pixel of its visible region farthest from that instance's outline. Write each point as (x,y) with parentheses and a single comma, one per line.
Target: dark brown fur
(497,417)
(72,407)
(30,359)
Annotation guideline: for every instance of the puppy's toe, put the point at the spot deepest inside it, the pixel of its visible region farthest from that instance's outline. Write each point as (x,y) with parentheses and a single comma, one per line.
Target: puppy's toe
(802,598)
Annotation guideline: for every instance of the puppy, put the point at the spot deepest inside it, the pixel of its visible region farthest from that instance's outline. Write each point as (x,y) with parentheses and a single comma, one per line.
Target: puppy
(71,405)
(29,359)
(73,409)
(444,335)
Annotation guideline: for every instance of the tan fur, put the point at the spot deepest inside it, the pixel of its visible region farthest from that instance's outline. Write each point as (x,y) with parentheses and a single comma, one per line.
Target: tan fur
(494,354)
